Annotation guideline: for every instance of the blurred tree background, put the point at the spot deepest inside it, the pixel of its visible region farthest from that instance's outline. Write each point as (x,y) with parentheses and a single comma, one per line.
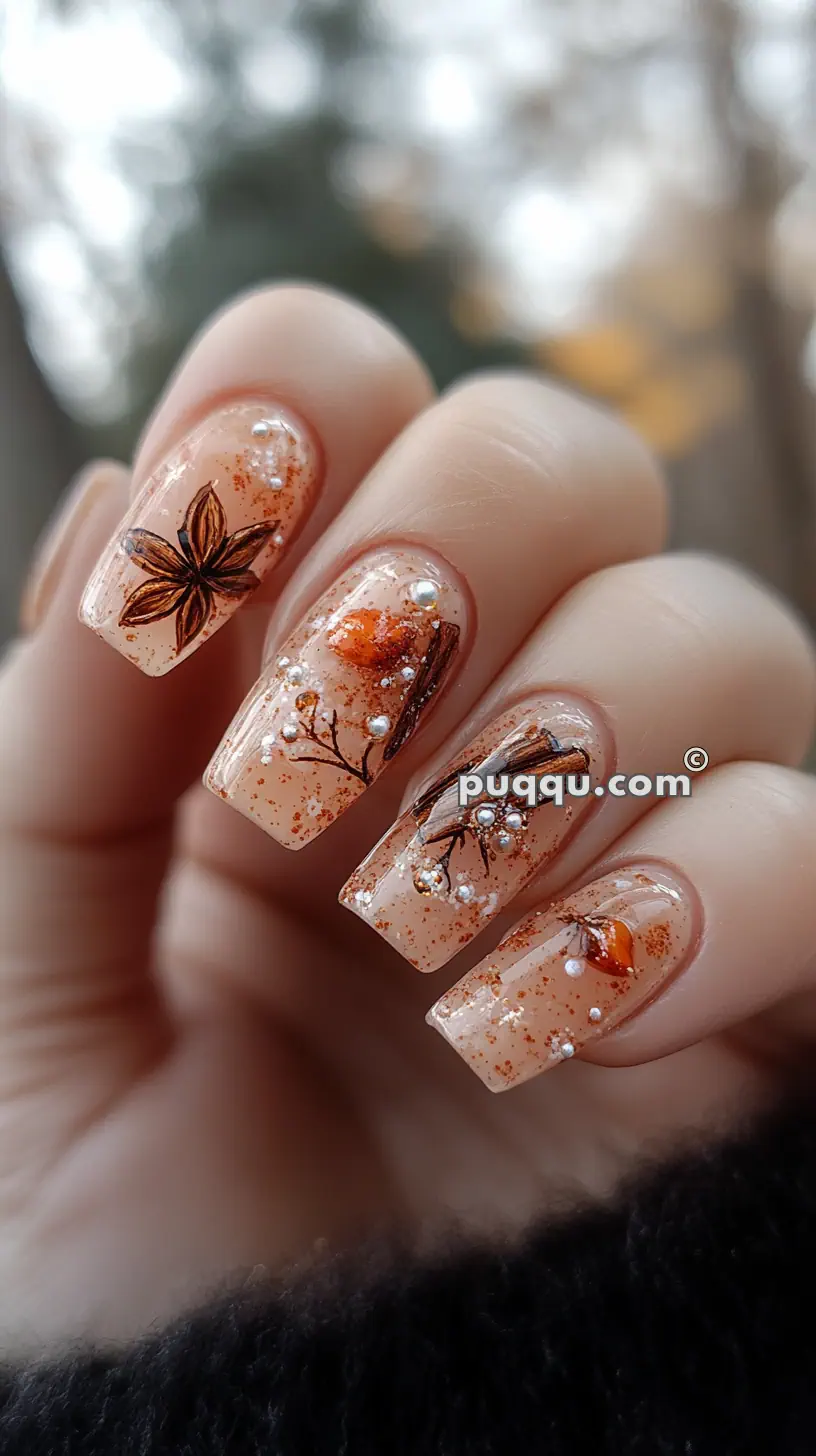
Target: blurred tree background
(619,192)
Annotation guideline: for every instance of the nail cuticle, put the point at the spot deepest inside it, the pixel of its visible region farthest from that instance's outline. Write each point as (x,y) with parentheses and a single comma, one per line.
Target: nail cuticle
(250,396)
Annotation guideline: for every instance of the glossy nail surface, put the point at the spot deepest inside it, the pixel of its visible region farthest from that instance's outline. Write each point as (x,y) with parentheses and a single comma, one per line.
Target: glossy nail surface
(568,975)
(208,526)
(444,870)
(346,692)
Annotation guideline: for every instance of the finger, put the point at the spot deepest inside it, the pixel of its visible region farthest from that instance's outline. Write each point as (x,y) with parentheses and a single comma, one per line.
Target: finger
(94,757)
(700,918)
(79,873)
(634,667)
(57,540)
(124,752)
(281,405)
(491,505)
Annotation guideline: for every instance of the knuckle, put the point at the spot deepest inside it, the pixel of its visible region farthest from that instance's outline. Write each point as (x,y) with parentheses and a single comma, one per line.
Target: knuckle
(569,458)
(711,600)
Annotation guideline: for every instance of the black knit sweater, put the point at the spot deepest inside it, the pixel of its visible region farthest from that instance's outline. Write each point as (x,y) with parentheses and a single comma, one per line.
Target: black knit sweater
(677,1322)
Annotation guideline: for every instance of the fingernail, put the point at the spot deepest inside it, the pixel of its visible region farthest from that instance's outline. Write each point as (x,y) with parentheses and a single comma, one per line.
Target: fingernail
(348,690)
(568,975)
(208,526)
(444,870)
(61,532)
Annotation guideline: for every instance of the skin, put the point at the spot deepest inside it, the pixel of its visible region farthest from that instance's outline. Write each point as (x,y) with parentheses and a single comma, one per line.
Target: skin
(207,1065)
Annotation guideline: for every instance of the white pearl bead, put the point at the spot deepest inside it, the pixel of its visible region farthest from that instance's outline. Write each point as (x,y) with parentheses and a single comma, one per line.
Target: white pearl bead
(594,1013)
(379,725)
(289,732)
(567,1049)
(574,967)
(514,820)
(424,593)
(485,817)
(464,893)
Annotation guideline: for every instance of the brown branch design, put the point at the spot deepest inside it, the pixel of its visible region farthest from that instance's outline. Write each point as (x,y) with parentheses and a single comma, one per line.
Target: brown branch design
(442,820)
(337,758)
(425,684)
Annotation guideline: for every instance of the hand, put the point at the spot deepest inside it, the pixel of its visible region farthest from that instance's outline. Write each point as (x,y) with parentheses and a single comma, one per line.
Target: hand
(208,1065)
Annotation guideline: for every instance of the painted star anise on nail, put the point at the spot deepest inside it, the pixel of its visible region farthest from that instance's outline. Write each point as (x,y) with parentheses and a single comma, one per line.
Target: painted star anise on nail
(210,563)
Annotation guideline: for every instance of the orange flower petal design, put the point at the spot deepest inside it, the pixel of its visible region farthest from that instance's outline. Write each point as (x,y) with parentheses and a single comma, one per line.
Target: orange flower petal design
(192,616)
(609,945)
(372,639)
(154,554)
(204,527)
(151,601)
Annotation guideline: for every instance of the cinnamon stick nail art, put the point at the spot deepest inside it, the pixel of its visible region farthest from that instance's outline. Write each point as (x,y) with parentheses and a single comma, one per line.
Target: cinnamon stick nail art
(212,521)
(569,974)
(445,869)
(347,691)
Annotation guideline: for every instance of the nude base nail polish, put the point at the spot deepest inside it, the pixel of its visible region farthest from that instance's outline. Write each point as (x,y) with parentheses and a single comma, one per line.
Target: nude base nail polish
(567,975)
(209,525)
(447,868)
(345,693)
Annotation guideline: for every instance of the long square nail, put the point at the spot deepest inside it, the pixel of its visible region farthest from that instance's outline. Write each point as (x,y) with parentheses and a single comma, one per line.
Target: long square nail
(445,869)
(568,975)
(208,526)
(346,692)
